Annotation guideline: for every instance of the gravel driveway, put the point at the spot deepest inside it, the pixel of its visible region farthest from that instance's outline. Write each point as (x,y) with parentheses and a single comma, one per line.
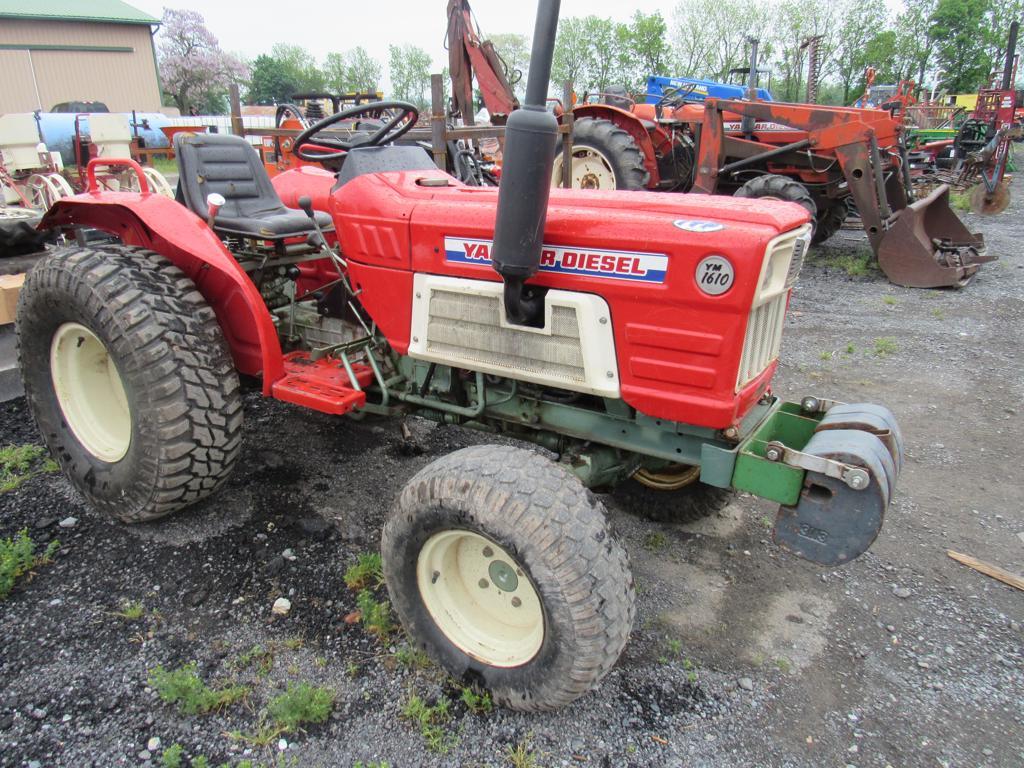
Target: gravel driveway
(741,654)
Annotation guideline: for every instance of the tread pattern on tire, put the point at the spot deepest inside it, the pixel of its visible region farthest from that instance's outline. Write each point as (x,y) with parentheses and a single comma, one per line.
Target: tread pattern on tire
(686,505)
(783,188)
(618,146)
(829,221)
(519,490)
(153,317)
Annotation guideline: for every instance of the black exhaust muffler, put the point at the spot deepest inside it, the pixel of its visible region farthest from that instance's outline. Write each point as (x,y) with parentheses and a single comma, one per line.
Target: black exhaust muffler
(530,141)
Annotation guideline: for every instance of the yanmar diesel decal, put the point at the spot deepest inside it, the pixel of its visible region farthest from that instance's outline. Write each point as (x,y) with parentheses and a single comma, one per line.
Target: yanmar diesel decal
(565,260)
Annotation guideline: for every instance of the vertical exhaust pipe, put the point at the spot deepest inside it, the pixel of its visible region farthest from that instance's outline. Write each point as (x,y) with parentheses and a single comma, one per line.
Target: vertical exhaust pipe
(748,123)
(530,141)
(1011,51)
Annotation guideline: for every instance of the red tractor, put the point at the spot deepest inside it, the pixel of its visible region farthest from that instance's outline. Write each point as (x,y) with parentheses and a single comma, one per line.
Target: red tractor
(633,336)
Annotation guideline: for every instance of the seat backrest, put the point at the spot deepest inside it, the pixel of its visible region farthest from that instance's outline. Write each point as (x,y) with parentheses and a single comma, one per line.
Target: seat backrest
(19,139)
(110,135)
(227,165)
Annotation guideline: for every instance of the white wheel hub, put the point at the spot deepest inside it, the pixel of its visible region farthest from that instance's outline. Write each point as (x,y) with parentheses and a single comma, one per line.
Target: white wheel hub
(90,392)
(480,598)
(590,170)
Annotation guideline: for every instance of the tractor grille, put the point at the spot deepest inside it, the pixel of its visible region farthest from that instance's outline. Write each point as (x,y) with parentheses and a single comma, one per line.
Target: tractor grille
(466,329)
(763,339)
(461,323)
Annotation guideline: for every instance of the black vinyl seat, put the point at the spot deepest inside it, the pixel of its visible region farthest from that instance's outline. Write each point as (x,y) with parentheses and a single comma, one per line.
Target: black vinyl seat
(230,166)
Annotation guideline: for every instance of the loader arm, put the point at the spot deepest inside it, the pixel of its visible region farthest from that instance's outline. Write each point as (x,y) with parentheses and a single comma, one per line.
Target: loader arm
(469,56)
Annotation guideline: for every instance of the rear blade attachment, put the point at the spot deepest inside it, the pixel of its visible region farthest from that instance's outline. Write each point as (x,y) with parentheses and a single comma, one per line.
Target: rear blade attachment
(927,246)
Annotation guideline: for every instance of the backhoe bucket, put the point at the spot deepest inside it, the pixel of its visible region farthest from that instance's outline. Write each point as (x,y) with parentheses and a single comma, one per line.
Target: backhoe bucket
(927,246)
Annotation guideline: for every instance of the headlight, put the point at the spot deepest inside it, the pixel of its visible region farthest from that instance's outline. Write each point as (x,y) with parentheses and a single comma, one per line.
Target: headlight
(783,259)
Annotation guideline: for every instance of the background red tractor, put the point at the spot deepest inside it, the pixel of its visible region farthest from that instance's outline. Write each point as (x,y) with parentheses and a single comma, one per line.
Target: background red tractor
(391,289)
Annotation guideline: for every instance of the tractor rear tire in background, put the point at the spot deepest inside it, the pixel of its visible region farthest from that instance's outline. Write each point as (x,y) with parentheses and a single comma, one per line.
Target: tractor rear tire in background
(673,495)
(129,379)
(771,186)
(501,566)
(604,157)
(829,220)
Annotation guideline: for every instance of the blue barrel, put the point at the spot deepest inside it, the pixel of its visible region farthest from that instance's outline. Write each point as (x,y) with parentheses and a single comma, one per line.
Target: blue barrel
(58,131)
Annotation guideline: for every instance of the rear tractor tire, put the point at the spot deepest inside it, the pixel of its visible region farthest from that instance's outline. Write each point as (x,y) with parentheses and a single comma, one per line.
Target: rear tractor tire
(604,156)
(672,495)
(501,566)
(129,379)
(771,186)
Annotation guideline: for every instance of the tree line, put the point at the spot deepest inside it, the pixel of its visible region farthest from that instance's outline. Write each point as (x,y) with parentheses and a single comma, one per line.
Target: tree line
(948,45)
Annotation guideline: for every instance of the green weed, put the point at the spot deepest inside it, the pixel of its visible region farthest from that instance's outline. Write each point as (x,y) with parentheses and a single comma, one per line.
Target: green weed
(889,301)
(431,721)
(185,688)
(366,573)
(783,664)
(655,541)
(521,756)
(302,703)
(171,757)
(675,646)
(938,314)
(826,355)
(20,462)
(478,703)
(412,658)
(885,346)
(960,201)
(18,557)
(256,656)
(371,764)
(376,614)
(850,349)
(131,611)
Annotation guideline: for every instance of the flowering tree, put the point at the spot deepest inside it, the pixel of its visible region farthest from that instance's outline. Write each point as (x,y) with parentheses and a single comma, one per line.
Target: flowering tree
(194,71)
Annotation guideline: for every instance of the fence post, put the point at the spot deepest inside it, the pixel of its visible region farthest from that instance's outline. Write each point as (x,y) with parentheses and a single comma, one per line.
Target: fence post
(437,122)
(237,127)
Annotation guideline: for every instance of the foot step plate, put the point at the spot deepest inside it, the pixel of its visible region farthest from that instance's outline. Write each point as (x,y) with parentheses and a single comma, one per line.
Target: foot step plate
(322,385)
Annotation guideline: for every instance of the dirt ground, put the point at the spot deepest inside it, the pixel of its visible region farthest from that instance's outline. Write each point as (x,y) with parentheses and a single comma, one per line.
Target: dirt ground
(741,656)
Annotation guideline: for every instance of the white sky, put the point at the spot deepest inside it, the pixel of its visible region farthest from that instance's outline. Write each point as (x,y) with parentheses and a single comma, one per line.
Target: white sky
(251,27)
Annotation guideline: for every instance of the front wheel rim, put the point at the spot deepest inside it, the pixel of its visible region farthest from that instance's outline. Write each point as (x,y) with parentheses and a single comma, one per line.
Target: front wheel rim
(480,598)
(90,392)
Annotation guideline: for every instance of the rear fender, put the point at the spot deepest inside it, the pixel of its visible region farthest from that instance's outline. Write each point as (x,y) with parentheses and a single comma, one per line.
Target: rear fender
(164,226)
(632,125)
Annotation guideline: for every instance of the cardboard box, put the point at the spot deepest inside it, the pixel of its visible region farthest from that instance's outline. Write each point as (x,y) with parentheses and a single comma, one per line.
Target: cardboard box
(10,286)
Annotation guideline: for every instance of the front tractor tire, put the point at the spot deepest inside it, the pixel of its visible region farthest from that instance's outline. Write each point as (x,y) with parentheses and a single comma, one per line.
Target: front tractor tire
(771,186)
(501,566)
(604,156)
(129,379)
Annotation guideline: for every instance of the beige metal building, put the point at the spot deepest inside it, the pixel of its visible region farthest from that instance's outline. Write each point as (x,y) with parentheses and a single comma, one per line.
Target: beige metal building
(54,51)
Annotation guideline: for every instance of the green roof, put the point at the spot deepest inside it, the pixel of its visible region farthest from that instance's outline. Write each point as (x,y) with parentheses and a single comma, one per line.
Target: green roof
(109,11)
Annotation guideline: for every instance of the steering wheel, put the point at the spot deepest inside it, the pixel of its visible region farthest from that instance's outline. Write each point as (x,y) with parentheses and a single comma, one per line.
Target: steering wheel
(402,114)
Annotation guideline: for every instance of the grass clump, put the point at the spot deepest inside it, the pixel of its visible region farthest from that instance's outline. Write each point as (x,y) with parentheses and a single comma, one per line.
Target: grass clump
(185,688)
(18,557)
(853,264)
(889,301)
(521,756)
(826,354)
(477,703)
(375,614)
(885,346)
(131,610)
(366,573)
(431,721)
(371,764)
(412,658)
(258,657)
(655,541)
(20,462)
(960,201)
(302,703)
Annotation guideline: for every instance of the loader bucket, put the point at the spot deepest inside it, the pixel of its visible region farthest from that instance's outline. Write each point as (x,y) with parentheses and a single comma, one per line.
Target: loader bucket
(927,246)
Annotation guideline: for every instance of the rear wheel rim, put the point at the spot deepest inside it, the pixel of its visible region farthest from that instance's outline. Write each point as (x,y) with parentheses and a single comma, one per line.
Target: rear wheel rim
(669,479)
(590,170)
(90,392)
(480,598)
